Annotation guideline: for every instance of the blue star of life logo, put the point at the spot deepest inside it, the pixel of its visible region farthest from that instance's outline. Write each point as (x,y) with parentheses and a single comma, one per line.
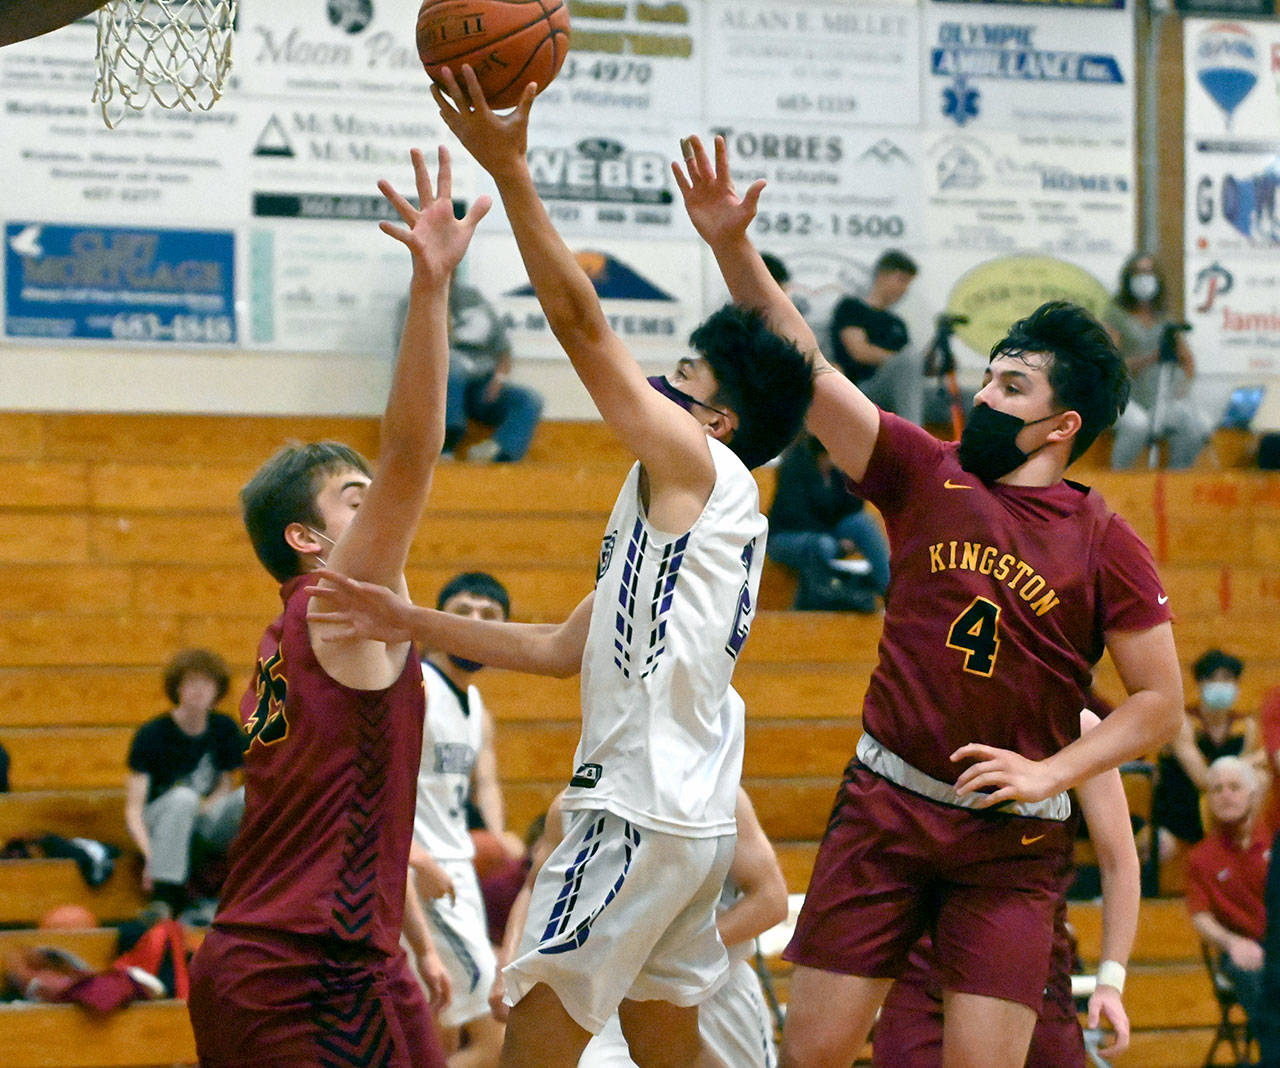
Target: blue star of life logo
(960,101)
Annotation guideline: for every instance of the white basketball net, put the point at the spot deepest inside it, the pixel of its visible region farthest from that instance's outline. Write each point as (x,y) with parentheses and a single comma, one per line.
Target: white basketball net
(175,52)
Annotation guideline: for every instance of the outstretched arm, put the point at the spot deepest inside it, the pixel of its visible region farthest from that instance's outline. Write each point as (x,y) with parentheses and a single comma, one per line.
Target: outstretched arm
(668,441)
(367,610)
(844,420)
(375,544)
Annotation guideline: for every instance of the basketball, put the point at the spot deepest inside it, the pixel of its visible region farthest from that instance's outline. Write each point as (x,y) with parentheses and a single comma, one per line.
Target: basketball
(68,917)
(508,43)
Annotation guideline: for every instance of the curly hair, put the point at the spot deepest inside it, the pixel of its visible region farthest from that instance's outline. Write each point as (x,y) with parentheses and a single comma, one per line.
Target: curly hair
(196,662)
(762,377)
(1086,372)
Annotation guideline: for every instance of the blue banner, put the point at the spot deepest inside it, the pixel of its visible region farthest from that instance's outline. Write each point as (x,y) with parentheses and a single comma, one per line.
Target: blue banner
(119,284)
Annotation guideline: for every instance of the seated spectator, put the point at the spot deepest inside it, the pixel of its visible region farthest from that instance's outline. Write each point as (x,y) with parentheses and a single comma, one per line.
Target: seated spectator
(1226,877)
(1137,320)
(479,386)
(870,344)
(181,791)
(814,521)
(1211,728)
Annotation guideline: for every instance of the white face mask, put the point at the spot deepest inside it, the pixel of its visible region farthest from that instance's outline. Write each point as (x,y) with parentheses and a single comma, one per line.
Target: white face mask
(1144,286)
(1218,694)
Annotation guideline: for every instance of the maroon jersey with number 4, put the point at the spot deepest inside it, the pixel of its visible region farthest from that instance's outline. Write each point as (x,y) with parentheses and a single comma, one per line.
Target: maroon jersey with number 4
(999,602)
(330,781)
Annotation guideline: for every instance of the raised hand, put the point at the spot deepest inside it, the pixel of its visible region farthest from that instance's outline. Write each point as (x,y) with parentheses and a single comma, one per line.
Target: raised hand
(497,142)
(431,233)
(357,609)
(714,207)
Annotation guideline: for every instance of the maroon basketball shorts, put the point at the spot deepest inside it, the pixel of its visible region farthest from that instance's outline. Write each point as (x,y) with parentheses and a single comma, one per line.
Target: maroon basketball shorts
(893,864)
(908,1031)
(270,1000)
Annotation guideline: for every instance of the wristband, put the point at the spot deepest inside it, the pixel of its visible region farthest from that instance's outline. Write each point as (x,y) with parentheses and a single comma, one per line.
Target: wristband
(1111,973)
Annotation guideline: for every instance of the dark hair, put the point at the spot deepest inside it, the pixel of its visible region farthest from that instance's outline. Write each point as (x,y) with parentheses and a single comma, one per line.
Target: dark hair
(196,662)
(478,583)
(763,378)
(1086,373)
(894,260)
(1124,295)
(776,268)
(283,491)
(1214,660)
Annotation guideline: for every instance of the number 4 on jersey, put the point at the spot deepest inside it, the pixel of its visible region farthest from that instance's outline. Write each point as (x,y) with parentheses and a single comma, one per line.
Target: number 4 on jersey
(976,633)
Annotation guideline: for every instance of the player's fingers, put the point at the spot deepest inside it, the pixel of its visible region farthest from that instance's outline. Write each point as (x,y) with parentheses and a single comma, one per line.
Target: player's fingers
(444,102)
(526,100)
(444,174)
(475,95)
(478,210)
(682,183)
(722,158)
(458,95)
(752,196)
(421,175)
(973,751)
(403,208)
(700,158)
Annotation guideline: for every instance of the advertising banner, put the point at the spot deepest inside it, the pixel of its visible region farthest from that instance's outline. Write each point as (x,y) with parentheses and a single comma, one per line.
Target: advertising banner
(107,283)
(1028,67)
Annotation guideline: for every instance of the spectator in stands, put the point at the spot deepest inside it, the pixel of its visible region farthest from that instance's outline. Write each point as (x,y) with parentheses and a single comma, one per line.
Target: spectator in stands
(181,791)
(1266,1024)
(816,520)
(1137,320)
(870,344)
(1226,876)
(479,386)
(1211,728)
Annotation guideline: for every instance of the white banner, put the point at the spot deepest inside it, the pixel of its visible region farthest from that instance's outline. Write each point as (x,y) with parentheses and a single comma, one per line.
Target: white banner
(1065,196)
(823,62)
(1028,68)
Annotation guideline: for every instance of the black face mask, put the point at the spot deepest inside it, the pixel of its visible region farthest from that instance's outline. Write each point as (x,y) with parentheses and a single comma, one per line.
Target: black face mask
(988,446)
(465,665)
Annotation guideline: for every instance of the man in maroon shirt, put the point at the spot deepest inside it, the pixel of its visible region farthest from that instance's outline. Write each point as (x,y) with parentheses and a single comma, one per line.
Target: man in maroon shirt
(1227,875)
(1008,583)
(303,964)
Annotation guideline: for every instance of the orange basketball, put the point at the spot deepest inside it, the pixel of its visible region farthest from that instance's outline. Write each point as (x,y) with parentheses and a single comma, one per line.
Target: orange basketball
(68,917)
(509,43)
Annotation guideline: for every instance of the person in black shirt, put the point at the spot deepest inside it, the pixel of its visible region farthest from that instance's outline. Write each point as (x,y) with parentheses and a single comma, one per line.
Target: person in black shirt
(870,344)
(814,521)
(181,787)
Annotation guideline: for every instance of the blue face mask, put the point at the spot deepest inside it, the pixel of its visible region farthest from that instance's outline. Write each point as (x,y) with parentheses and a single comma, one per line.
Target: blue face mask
(1218,694)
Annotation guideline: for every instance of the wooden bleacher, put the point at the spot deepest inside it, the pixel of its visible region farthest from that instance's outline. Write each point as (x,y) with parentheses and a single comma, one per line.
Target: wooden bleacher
(120,542)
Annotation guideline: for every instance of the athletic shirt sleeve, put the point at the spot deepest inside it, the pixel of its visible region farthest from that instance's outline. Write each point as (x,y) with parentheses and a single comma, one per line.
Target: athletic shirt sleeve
(1132,596)
(143,749)
(903,457)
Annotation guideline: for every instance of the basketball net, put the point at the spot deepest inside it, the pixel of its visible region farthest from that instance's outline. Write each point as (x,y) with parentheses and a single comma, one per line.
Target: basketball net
(175,52)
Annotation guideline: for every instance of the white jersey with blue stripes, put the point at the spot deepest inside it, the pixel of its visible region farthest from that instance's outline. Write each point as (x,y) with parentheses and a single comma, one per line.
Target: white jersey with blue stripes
(662,728)
(450,743)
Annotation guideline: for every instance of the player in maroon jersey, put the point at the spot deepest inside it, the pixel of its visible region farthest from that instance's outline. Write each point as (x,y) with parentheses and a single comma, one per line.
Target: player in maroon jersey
(1007,584)
(908,1031)
(303,964)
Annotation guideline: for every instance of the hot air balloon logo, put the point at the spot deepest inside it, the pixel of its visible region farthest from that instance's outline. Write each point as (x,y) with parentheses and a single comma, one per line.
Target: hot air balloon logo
(1226,58)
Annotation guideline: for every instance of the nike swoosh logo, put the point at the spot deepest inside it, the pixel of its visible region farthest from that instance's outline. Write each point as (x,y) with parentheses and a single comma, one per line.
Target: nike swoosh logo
(1162,599)
(955,485)
(1031,841)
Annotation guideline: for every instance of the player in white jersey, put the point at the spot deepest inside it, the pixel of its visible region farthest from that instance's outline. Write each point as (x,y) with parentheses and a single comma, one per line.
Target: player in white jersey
(734,1022)
(458,763)
(653,786)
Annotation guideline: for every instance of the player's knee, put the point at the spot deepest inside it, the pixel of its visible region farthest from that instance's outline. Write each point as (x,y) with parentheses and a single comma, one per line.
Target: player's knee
(815,1047)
